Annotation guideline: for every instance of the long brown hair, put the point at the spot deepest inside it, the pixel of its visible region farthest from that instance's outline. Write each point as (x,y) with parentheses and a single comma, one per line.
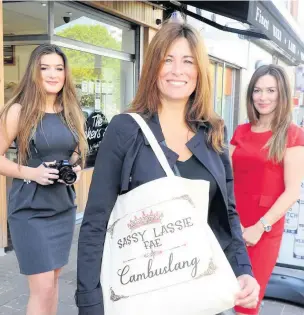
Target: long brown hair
(31,95)
(199,108)
(282,113)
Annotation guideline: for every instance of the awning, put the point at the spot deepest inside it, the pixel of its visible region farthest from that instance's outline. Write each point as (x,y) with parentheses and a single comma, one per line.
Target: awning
(264,18)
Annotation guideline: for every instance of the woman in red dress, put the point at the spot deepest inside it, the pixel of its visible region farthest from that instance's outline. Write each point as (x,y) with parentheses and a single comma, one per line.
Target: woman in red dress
(267,158)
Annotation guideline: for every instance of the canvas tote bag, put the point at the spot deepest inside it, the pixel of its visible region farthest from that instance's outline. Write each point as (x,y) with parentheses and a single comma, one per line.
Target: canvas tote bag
(160,256)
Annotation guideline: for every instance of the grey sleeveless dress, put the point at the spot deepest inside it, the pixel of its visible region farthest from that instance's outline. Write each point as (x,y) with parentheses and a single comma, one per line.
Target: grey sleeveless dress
(42,218)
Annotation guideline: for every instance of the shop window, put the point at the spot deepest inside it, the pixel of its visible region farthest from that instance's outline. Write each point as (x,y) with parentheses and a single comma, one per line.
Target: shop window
(13,72)
(105,87)
(102,83)
(219,89)
(212,75)
(75,24)
(25,18)
(224,100)
(228,103)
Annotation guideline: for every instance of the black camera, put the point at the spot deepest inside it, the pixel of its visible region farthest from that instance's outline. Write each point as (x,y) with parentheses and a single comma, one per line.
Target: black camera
(66,172)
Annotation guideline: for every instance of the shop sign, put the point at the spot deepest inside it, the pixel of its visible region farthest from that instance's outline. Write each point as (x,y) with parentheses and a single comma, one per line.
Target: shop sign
(260,17)
(96,125)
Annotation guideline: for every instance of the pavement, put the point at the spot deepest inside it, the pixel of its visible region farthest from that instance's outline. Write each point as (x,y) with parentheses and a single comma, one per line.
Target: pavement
(14,291)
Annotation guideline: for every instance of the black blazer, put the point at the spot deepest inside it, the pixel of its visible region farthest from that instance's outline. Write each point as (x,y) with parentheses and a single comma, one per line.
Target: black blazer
(125,160)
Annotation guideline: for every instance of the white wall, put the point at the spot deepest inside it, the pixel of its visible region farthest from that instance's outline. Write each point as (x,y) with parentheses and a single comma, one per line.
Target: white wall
(255,54)
(220,44)
(300,17)
(296,25)
(291,72)
(14,73)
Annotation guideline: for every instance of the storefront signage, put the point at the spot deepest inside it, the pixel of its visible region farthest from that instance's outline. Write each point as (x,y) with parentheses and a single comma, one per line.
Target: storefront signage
(292,246)
(260,17)
(96,125)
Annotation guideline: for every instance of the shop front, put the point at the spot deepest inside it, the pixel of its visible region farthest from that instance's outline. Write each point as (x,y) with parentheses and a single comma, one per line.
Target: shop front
(240,36)
(104,45)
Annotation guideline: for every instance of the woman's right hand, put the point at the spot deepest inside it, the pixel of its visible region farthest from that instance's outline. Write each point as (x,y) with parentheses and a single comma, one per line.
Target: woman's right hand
(44,175)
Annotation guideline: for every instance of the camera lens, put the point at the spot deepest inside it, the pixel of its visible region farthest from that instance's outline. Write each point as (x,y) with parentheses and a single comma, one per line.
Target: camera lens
(70,178)
(68,175)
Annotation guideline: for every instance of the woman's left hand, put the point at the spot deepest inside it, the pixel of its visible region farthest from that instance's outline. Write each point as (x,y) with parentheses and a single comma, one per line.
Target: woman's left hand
(77,170)
(248,296)
(253,234)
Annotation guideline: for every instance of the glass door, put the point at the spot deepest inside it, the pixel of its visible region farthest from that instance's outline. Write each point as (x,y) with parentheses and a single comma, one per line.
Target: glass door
(223,78)
(228,99)
(219,88)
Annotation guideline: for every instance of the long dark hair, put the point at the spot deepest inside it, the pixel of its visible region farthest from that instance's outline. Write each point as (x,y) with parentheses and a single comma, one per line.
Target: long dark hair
(199,107)
(283,112)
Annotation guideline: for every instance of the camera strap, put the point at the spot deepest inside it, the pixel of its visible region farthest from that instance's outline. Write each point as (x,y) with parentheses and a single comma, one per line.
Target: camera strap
(37,152)
(43,163)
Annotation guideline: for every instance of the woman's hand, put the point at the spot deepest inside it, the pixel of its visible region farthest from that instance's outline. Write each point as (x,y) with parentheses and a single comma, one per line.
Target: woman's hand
(253,234)
(77,170)
(242,228)
(248,296)
(44,175)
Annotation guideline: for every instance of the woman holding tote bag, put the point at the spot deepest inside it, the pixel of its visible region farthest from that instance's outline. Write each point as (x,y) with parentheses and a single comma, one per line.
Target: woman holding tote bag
(149,227)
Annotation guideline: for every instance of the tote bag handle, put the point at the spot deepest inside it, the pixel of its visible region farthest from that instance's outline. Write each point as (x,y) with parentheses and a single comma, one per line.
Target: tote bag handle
(153,143)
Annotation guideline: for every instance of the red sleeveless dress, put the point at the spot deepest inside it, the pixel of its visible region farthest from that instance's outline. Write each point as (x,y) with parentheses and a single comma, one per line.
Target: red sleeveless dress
(258,182)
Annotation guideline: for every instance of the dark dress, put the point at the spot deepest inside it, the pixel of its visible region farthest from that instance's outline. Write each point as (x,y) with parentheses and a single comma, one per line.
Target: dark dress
(42,218)
(193,169)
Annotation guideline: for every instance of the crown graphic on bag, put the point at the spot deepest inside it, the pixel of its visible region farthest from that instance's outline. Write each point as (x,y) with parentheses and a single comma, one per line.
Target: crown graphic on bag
(145,219)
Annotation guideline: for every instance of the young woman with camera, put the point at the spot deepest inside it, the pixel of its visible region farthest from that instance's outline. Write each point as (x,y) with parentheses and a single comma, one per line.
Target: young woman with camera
(45,121)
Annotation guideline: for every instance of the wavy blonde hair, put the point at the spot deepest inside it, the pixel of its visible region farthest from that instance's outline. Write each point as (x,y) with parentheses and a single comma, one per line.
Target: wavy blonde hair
(31,95)
(199,108)
(283,111)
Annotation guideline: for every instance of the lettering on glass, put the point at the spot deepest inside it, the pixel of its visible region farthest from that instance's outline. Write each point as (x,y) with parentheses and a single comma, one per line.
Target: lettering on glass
(96,125)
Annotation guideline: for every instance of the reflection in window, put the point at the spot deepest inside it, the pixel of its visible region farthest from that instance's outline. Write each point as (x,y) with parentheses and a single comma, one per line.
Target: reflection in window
(102,83)
(14,72)
(224,79)
(228,99)
(24,18)
(105,87)
(212,75)
(219,89)
(71,23)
